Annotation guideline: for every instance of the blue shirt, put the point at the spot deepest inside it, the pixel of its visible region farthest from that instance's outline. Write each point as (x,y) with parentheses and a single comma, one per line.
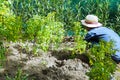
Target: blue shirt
(106,34)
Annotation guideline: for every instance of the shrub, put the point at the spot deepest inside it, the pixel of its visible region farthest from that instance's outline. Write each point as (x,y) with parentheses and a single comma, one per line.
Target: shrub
(45,30)
(101,62)
(80,43)
(10,25)
(12,28)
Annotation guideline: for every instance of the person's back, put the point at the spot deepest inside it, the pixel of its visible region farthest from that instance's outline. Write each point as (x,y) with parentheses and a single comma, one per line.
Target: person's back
(105,34)
(96,33)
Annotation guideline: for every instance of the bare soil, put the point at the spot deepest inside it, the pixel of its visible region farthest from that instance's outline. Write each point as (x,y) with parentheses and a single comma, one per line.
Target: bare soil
(52,65)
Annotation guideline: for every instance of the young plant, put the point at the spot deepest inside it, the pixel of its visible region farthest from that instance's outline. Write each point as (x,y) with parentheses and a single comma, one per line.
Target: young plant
(2,54)
(102,65)
(12,28)
(19,76)
(80,43)
(10,25)
(45,31)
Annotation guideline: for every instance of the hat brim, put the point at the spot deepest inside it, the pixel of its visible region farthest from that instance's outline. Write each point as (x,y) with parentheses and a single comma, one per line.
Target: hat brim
(91,25)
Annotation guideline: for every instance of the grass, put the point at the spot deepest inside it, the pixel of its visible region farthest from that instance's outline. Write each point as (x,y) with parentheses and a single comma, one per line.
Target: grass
(2,54)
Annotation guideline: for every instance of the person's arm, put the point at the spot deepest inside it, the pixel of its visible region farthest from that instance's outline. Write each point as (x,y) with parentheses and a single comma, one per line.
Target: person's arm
(90,36)
(94,37)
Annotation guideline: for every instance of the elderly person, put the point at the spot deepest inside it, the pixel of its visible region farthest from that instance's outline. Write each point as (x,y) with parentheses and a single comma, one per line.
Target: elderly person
(97,32)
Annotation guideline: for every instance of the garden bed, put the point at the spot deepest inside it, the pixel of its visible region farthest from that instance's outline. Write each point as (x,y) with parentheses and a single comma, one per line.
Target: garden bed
(52,65)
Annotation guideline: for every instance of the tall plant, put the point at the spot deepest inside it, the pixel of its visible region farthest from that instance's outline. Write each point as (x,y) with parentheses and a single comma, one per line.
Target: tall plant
(97,7)
(67,11)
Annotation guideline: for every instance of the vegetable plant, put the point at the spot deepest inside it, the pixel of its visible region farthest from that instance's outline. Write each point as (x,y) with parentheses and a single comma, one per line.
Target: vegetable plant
(79,33)
(102,65)
(45,31)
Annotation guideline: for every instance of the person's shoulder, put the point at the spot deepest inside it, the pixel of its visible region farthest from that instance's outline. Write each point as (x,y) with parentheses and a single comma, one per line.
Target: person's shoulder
(106,29)
(98,30)
(102,28)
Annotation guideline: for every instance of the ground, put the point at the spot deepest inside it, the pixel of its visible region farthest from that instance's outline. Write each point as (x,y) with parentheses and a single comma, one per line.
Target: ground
(51,65)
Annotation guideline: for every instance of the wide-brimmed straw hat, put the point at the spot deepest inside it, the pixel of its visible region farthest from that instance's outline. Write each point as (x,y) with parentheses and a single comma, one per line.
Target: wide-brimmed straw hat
(91,21)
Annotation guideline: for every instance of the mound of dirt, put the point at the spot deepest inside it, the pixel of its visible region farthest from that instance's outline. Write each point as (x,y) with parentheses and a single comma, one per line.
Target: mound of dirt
(58,64)
(52,65)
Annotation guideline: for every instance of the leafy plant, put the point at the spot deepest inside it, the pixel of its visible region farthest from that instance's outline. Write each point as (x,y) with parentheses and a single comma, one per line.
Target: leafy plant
(10,25)
(19,76)
(101,62)
(68,11)
(2,54)
(115,21)
(12,28)
(45,30)
(80,43)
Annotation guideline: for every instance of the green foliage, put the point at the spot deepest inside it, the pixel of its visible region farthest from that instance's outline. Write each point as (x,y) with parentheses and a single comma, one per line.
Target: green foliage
(106,10)
(12,28)
(3,11)
(69,11)
(4,8)
(45,30)
(101,61)
(26,9)
(19,76)
(80,43)
(2,54)
(115,21)
(10,25)
(42,21)
(101,71)
(96,7)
